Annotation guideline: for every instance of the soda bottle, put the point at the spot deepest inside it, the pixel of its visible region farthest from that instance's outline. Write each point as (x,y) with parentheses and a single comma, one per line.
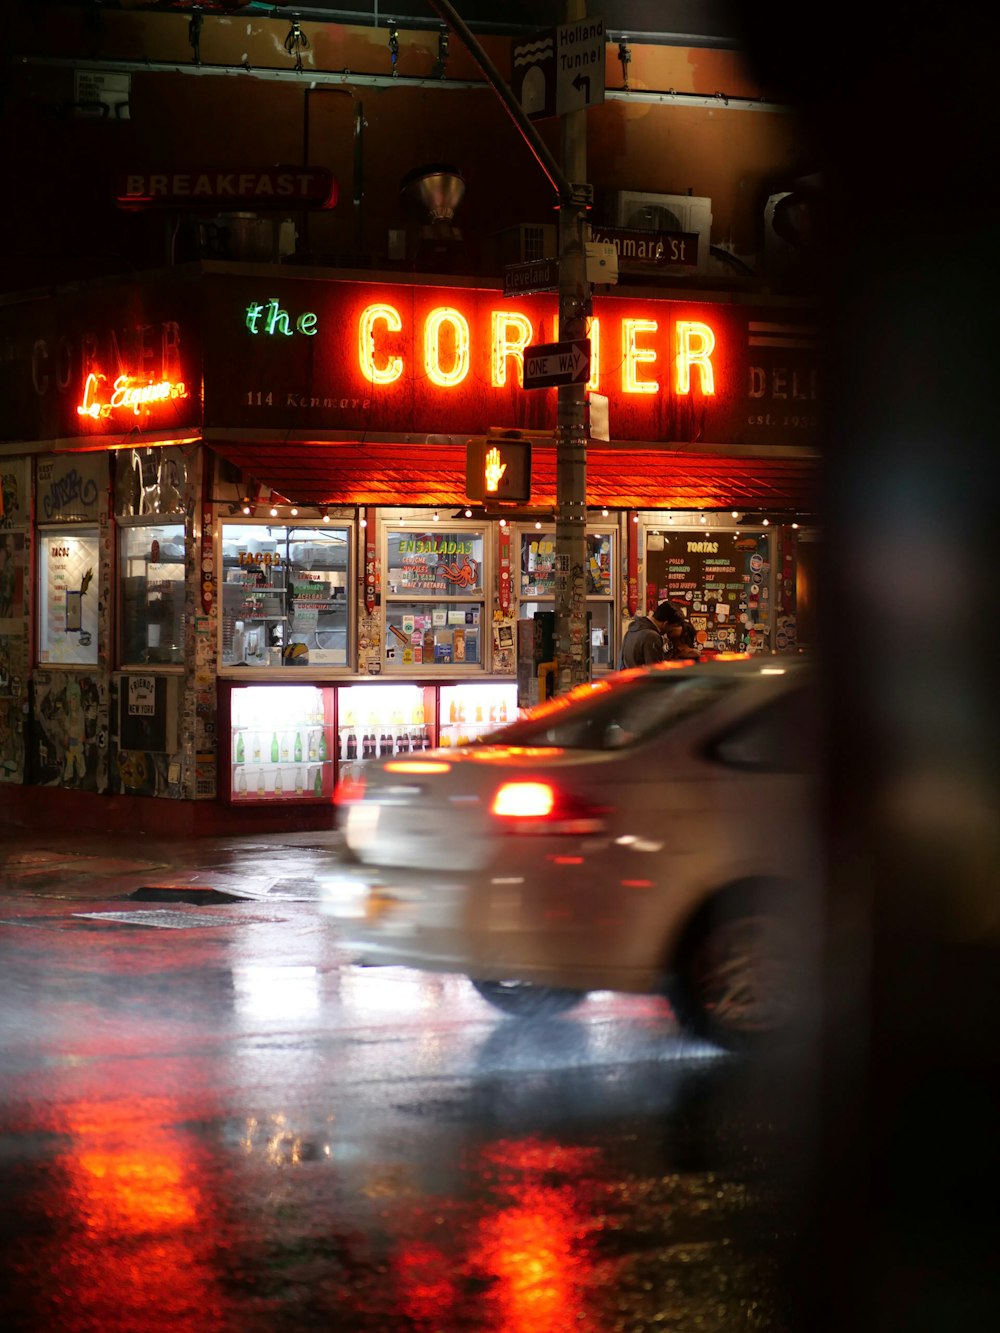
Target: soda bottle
(278,785)
(240,751)
(318,783)
(352,745)
(297,752)
(274,747)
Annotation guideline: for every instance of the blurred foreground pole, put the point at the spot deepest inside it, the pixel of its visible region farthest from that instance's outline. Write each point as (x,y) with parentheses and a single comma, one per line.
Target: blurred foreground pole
(900,1232)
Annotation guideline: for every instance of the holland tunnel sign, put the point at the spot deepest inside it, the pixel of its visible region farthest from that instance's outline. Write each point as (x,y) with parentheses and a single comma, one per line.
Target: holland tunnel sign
(335,355)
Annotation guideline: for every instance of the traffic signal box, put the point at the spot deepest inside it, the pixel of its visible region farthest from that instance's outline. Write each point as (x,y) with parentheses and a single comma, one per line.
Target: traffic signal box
(498,468)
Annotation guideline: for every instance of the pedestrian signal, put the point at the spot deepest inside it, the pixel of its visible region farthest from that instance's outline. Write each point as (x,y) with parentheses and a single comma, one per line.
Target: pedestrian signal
(498,469)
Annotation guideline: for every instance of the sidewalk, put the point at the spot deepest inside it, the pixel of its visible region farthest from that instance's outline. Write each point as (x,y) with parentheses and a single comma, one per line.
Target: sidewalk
(270,866)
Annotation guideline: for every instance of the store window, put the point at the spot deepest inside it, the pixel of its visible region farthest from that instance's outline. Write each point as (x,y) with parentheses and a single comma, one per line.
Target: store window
(68,563)
(284,595)
(720,580)
(537,585)
(434,598)
(151,560)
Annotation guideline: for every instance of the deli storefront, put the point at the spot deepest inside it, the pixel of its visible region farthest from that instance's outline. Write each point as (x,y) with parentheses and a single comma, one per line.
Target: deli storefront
(239,551)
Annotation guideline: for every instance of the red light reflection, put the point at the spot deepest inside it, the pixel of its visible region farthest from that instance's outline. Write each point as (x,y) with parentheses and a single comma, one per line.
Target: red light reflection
(539,1247)
(138,1251)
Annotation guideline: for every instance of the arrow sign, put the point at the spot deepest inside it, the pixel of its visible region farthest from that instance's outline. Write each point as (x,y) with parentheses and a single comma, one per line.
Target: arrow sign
(547,364)
(578,83)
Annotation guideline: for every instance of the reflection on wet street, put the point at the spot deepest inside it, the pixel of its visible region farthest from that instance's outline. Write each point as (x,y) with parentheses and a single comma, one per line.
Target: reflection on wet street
(225,1127)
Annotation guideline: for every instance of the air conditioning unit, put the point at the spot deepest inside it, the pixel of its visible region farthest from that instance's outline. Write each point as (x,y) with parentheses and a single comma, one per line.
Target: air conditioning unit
(529,240)
(667,212)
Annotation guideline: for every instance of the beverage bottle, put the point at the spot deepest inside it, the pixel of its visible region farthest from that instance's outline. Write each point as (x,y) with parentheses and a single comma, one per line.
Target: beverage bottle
(385,745)
(312,745)
(403,744)
(278,784)
(298,782)
(240,751)
(297,752)
(453,712)
(256,748)
(241,783)
(322,745)
(274,747)
(261,784)
(284,746)
(352,745)
(503,710)
(318,782)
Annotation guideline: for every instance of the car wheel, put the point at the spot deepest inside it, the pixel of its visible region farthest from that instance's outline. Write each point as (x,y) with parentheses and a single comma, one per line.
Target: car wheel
(738,978)
(524,1000)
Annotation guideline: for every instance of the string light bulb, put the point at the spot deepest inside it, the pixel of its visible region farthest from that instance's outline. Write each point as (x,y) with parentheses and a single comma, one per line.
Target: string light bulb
(273,511)
(765,521)
(364,523)
(294,512)
(326,518)
(604,513)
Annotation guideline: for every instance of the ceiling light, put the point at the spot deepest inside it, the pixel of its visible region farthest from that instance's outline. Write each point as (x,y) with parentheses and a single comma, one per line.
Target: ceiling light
(326,518)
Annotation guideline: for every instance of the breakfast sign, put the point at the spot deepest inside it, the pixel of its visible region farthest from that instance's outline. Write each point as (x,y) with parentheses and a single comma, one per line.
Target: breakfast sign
(402,359)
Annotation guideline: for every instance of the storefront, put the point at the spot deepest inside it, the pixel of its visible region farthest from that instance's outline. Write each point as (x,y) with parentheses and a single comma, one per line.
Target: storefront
(238,549)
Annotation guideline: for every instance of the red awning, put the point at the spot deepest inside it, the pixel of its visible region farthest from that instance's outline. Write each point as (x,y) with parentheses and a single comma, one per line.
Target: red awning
(356,473)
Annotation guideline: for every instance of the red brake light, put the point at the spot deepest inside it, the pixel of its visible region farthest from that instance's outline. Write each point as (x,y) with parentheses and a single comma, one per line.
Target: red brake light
(530,806)
(524,800)
(348,789)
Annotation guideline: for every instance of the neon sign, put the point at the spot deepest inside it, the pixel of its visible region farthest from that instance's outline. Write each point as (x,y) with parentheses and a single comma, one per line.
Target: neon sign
(126,392)
(511,332)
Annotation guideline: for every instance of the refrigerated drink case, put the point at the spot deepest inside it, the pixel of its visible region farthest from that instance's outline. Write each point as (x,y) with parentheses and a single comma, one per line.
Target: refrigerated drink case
(281,742)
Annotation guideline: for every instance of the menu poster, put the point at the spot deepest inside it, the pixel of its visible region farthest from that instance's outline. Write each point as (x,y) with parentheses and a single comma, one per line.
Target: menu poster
(719,579)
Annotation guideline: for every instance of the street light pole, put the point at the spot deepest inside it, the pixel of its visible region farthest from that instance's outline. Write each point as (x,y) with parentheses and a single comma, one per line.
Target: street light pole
(572,646)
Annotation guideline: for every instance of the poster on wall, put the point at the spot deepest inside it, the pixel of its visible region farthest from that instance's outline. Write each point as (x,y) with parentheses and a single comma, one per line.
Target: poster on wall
(68,601)
(12,578)
(14,492)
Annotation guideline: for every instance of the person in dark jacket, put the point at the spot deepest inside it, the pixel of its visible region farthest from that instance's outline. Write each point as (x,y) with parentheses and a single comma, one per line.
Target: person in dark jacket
(643,641)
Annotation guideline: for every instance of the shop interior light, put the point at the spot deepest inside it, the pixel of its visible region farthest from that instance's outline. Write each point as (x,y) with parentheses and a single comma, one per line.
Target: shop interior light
(326,518)
(765,521)
(468,513)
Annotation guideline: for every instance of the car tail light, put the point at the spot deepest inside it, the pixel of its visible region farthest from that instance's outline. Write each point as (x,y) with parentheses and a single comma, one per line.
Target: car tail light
(538,807)
(349,789)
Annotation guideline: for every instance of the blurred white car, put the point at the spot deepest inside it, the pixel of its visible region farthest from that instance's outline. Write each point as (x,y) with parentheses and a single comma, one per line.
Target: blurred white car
(652,832)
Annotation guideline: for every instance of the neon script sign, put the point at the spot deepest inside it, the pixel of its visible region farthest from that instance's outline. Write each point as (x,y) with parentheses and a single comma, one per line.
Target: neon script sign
(126,392)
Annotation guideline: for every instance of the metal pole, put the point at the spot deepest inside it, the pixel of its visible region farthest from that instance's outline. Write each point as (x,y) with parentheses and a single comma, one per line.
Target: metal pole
(571,636)
(572,644)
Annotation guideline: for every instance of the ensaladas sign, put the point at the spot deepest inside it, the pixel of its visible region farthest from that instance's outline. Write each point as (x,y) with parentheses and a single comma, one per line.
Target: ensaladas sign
(307,354)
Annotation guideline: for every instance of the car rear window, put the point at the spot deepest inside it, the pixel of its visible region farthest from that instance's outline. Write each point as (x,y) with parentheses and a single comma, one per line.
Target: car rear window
(627,713)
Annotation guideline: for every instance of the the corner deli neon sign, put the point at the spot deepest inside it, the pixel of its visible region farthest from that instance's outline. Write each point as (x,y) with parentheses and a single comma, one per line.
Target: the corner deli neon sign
(445,342)
(642,356)
(126,393)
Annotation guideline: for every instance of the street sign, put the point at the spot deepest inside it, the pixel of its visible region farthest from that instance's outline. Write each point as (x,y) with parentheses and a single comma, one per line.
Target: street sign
(547,364)
(537,275)
(560,69)
(580,60)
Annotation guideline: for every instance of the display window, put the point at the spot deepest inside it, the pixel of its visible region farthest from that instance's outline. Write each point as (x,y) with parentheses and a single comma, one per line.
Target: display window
(469,712)
(281,743)
(68,564)
(376,721)
(151,587)
(284,595)
(536,585)
(435,614)
(721,580)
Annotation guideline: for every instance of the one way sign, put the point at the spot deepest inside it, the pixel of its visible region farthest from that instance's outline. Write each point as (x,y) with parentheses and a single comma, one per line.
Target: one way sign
(546,364)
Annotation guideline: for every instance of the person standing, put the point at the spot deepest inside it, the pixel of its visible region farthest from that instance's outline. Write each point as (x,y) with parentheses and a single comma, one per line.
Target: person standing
(643,641)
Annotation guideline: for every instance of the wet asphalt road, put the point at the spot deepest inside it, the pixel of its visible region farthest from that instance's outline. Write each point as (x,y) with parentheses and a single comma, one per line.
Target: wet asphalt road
(210,1120)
